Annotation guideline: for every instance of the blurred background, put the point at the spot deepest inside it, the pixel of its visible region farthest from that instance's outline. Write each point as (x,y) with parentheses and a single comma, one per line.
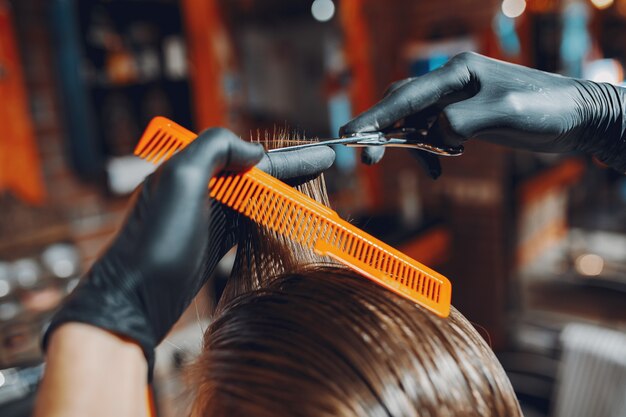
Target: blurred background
(534,244)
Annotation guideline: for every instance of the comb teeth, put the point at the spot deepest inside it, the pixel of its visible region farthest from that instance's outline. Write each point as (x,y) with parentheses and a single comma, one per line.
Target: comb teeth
(275,205)
(160,148)
(161,139)
(256,195)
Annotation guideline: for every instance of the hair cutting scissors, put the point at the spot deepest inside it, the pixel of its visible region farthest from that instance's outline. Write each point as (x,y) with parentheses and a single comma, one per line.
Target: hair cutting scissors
(397,138)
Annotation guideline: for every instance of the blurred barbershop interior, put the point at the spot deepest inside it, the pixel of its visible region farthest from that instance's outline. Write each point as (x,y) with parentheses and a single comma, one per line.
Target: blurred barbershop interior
(534,244)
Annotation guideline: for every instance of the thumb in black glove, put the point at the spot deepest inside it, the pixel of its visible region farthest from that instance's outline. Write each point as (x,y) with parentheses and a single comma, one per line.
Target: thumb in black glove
(171,241)
(476,97)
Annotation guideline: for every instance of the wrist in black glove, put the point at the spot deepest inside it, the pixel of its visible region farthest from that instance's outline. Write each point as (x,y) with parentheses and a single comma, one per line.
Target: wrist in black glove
(475,97)
(172,240)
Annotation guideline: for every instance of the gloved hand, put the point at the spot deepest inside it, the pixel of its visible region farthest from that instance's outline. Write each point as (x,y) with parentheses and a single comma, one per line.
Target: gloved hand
(475,97)
(172,240)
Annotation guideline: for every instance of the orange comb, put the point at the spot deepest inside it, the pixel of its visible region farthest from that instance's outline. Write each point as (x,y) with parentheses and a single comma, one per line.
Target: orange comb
(273,204)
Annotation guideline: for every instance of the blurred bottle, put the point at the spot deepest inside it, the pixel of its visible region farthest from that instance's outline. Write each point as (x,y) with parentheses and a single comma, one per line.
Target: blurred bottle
(175,57)
(121,67)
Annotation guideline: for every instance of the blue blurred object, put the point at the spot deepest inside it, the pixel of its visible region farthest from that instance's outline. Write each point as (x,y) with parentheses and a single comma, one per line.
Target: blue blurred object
(339,113)
(437,60)
(504,27)
(79,114)
(575,39)
(424,57)
(426,64)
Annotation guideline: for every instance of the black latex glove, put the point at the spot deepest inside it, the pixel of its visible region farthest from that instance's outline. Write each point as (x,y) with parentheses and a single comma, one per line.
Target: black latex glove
(473,96)
(173,239)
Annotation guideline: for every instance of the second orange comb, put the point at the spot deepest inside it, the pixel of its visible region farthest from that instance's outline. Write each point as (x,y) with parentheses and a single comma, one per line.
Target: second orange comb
(274,204)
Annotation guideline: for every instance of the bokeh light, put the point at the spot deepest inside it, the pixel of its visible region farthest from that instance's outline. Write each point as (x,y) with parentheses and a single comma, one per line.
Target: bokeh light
(323,10)
(602,4)
(589,264)
(5,287)
(513,8)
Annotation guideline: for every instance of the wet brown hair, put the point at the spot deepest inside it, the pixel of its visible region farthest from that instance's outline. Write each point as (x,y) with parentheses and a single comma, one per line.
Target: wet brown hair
(296,335)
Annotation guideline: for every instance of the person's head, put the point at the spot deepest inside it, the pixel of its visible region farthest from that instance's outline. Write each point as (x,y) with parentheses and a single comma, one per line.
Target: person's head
(326,342)
(295,334)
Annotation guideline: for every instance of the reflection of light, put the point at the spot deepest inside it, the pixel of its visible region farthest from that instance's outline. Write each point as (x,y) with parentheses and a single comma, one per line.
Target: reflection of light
(2,379)
(71,285)
(26,272)
(604,70)
(604,77)
(323,10)
(8,311)
(5,287)
(63,268)
(602,4)
(513,8)
(61,259)
(589,264)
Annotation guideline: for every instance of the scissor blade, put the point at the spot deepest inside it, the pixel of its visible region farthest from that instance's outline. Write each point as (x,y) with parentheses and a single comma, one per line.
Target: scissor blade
(325,142)
(392,139)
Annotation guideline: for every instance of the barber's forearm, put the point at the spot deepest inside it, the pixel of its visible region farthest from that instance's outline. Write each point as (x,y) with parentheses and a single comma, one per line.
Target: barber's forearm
(92,372)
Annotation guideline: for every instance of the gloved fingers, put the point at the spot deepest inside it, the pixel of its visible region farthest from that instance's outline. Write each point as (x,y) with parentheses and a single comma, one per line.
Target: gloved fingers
(410,98)
(302,163)
(178,189)
(214,150)
(184,178)
(395,85)
(429,162)
(466,119)
(372,154)
(492,120)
